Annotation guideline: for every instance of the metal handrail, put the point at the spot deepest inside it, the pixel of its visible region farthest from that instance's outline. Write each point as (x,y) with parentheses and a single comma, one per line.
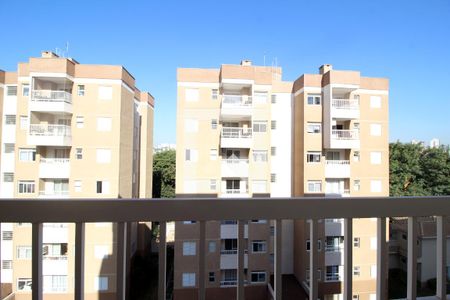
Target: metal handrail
(236,132)
(337,162)
(51,96)
(55,160)
(345,134)
(50,130)
(345,103)
(236,100)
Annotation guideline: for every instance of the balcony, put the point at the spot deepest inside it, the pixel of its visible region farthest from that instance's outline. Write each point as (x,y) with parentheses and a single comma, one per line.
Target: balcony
(54,168)
(51,101)
(236,137)
(235,193)
(53,194)
(122,211)
(345,109)
(337,169)
(229,259)
(344,139)
(229,231)
(334,227)
(236,107)
(234,167)
(49,135)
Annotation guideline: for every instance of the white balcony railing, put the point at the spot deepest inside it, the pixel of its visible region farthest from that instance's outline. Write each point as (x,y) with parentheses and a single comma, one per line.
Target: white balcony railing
(343,134)
(234,251)
(236,100)
(334,248)
(55,160)
(235,161)
(122,211)
(236,133)
(53,193)
(337,162)
(51,96)
(345,104)
(49,130)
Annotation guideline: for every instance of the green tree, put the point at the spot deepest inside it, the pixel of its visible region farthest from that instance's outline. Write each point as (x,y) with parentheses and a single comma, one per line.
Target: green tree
(164,174)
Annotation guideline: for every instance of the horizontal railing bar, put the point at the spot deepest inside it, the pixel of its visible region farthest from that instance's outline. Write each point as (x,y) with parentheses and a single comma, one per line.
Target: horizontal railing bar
(129,210)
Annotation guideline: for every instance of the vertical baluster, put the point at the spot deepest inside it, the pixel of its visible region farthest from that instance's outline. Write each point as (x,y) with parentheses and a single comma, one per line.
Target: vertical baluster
(240,270)
(412,258)
(441,258)
(162,261)
(348,259)
(278,260)
(381,259)
(313,261)
(121,273)
(36,264)
(201,262)
(79,260)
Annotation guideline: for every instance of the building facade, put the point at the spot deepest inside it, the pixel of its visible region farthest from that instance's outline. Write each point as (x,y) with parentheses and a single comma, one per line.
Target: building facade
(244,132)
(71,130)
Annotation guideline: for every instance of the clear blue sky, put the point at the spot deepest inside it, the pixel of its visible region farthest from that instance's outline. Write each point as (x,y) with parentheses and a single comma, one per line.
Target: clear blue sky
(406,41)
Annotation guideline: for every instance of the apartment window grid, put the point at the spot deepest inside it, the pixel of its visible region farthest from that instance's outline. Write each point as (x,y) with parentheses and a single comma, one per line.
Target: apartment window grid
(314,186)
(191,155)
(188,279)
(356,242)
(260,97)
(101,283)
(11,90)
(273,177)
(273,151)
(102,187)
(211,277)
(314,99)
(26,187)
(214,124)
(314,127)
(213,184)
(259,246)
(214,94)
(356,126)
(356,156)
(79,153)
(260,155)
(273,99)
(319,275)
(213,154)
(10,119)
(356,185)
(55,283)
(81,90)
(260,126)
(24,284)
(7,264)
(357,271)
(26,90)
(313,157)
(23,122)
(7,235)
(27,154)
(189,248)
(212,246)
(24,252)
(8,177)
(273,124)
(80,121)
(8,148)
(258,276)
(355,297)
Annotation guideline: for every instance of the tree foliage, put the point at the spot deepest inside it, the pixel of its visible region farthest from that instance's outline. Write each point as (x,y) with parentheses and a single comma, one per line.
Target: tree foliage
(418,171)
(164,174)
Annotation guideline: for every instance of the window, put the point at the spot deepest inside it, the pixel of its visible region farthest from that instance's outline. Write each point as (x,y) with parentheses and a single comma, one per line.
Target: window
(191,125)
(77,186)
(319,245)
(188,248)
(260,97)
(313,157)
(24,284)
(373,271)
(273,151)
(356,271)
(308,245)
(258,276)
(259,126)
(24,252)
(103,187)
(27,154)
(212,184)
(356,126)
(375,158)
(11,91)
(314,127)
(314,186)
(54,250)
(189,222)
(273,125)
(273,99)
(26,187)
(259,155)
(23,122)
(273,177)
(356,185)
(26,90)
(375,186)
(214,94)
(9,148)
(214,124)
(375,102)
(373,243)
(79,153)
(188,279)
(258,246)
(356,156)
(375,129)
(212,247)
(191,95)
(80,91)
(259,186)
(355,297)
(191,155)
(101,283)
(55,283)
(314,99)
(10,119)
(356,242)
(213,154)
(6,264)
(80,122)
(103,156)
(104,124)
(7,235)
(105,92)
(8,177)
(272,230)
(101,252)
(211,277)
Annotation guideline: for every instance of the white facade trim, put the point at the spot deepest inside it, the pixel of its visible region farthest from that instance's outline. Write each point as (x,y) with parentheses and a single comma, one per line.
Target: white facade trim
(199,84)
(373,92)
(51,74)
(308,89)
(23,79)
(237,81)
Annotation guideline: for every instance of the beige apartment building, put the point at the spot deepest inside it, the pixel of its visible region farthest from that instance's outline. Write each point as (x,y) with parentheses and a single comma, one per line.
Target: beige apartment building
(244,132)
(71,130)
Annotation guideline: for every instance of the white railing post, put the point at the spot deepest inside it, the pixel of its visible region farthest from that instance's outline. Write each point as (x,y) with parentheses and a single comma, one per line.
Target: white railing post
(79,260)
(348,259)
(240,257)
(36,263)
(162,261)
(121,273)
(313,260)
(381,259)
(278,260)
(441,257)
(201,261)
(412,259)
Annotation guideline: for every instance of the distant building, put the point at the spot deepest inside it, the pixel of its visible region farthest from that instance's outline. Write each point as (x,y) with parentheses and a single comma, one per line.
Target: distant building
(163,147)
(435,143)
(417,142)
